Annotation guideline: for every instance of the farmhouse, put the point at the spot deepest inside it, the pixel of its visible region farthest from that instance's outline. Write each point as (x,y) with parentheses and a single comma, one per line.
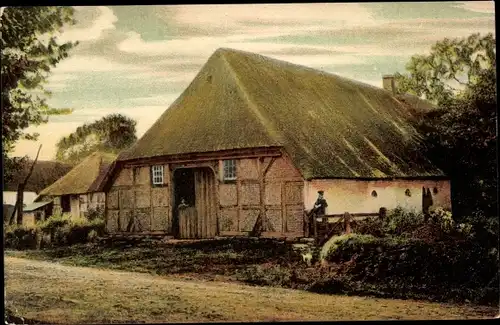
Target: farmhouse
(250,142)
(78,190)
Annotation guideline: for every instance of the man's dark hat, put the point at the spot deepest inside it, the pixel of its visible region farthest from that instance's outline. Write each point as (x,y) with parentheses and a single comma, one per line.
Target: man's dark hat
(321,192)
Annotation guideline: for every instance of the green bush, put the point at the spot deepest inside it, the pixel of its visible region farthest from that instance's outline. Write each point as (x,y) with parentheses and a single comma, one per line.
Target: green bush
(369,226)
(95,213)
(21,237)
(400,221)
(467,269)
(268,275)
(54,222)
(62,230)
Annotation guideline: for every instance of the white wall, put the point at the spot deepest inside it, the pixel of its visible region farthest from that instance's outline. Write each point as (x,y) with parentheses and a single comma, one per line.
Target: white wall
(354,196)
(9,197)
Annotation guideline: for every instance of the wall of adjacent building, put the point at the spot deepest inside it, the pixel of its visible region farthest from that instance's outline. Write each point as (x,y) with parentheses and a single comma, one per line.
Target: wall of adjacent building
(355,196)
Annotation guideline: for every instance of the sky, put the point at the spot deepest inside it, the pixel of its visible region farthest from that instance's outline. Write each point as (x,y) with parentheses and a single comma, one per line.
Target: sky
(136,60)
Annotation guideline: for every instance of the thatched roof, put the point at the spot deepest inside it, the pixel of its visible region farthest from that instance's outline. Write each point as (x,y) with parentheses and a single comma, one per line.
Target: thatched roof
(330,126)
(44,174)
(86,177)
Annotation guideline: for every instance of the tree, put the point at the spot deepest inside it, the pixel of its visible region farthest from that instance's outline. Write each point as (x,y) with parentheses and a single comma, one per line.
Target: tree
(29,50)
(459,76)
(112,134)
(461,140)
(452,65)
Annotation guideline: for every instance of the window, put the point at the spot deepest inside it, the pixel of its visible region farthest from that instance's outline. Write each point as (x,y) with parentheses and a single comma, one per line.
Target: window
(408,192)
(374,194)
(157,175)
(435,190)
(229,170)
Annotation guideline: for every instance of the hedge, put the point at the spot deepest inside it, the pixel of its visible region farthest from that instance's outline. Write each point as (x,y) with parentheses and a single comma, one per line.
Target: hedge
(58,230)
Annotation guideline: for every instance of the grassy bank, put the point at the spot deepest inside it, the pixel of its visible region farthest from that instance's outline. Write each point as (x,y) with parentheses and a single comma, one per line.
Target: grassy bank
(55,293)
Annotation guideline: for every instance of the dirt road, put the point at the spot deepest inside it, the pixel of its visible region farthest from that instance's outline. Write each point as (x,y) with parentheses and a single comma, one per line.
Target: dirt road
(51,292)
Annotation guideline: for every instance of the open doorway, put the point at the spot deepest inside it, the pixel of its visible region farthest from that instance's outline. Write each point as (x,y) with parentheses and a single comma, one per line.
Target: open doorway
(195,208)
(65,204)
(184,186)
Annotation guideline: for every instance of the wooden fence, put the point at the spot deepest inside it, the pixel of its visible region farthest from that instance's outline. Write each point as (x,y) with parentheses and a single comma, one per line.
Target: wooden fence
(321,228)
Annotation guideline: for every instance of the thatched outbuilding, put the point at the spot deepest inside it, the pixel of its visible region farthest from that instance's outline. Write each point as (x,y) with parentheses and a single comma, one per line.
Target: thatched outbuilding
(80,189)
(250,142)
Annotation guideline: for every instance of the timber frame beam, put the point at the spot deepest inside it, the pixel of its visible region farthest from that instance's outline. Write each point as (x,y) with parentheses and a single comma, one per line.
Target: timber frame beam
(262,223)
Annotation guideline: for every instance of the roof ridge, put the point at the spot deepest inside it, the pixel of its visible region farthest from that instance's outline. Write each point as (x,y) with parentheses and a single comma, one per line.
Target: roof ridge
(269,126)
(298,66)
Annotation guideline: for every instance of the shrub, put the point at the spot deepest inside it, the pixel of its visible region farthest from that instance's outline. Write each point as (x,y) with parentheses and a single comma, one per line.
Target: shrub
(54,222)
(58,230)
(369,226)
(269,275)
(466,268)
(21,236)
(92,236)
(443,218)
(95,213)
(78,230)
(400,221)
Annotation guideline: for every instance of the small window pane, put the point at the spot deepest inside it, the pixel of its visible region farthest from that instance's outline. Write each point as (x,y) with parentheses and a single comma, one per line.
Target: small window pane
(157,172)
(229,169)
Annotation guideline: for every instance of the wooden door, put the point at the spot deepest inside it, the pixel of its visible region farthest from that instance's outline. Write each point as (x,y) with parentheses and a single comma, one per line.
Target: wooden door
(205,203)
(187,222)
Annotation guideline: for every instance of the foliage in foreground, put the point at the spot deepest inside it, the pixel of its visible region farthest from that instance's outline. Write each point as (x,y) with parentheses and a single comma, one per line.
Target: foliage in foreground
(58,230)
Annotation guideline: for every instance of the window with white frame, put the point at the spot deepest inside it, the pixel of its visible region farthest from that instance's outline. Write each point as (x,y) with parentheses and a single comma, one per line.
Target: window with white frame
(157,175)
(229,170)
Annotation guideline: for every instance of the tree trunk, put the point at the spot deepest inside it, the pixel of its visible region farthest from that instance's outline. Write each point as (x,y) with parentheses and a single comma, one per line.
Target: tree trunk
(20,193)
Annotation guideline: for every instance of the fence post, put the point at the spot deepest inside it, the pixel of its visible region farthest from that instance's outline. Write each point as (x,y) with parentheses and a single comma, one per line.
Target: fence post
(315,226)
(307,224)
(347,222)
(382,213)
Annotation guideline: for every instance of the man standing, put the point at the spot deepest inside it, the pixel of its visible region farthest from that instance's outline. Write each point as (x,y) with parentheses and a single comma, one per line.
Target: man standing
(320,205)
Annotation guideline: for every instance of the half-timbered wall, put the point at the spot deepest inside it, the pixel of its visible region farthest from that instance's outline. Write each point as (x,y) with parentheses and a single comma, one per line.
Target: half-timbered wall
(282,196)
(271,186)
(134,205)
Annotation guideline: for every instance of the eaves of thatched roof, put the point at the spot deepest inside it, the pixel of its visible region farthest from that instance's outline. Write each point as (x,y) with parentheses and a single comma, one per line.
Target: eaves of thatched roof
(86,177)
(330,126)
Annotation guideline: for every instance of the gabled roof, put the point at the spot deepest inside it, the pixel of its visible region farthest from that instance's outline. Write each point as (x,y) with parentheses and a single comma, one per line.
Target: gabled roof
(330,126)
(86,177)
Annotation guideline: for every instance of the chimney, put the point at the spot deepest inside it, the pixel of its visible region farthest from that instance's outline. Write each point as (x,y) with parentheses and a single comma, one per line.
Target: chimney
(388,83)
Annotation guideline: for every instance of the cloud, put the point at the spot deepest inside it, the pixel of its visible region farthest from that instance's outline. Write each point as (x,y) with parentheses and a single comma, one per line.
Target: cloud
(320,60)
(105,21)
(478,6)
(50,134)
(229,17)
(58,127)
(160,100)
(81,63)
